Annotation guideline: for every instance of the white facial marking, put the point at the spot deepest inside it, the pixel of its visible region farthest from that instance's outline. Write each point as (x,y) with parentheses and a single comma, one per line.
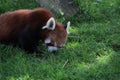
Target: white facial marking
(55,44)
(52,48)
(48,40)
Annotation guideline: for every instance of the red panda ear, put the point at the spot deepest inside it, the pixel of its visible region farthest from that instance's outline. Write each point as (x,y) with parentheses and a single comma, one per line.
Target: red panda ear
(67,27)
(50,24)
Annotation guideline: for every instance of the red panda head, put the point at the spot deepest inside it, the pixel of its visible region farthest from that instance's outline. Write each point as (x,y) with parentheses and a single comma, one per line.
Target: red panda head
(57,34)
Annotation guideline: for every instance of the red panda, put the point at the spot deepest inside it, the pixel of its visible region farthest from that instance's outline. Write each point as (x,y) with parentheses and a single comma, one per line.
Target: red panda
(26,27)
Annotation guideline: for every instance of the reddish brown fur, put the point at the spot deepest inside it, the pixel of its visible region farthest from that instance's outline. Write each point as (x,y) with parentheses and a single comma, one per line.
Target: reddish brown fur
(13,23)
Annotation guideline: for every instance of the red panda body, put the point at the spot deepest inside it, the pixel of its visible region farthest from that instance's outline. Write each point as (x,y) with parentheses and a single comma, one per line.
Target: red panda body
(25,28)
(14,22)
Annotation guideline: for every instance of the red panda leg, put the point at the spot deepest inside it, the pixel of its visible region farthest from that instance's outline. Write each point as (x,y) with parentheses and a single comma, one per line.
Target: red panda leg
(27,40)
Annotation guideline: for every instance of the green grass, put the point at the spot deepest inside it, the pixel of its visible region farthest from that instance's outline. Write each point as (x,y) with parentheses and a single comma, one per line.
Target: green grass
(97,10)
(92,52)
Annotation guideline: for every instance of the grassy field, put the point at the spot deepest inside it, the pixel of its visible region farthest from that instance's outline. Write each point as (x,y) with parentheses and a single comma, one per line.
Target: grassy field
(92,51)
